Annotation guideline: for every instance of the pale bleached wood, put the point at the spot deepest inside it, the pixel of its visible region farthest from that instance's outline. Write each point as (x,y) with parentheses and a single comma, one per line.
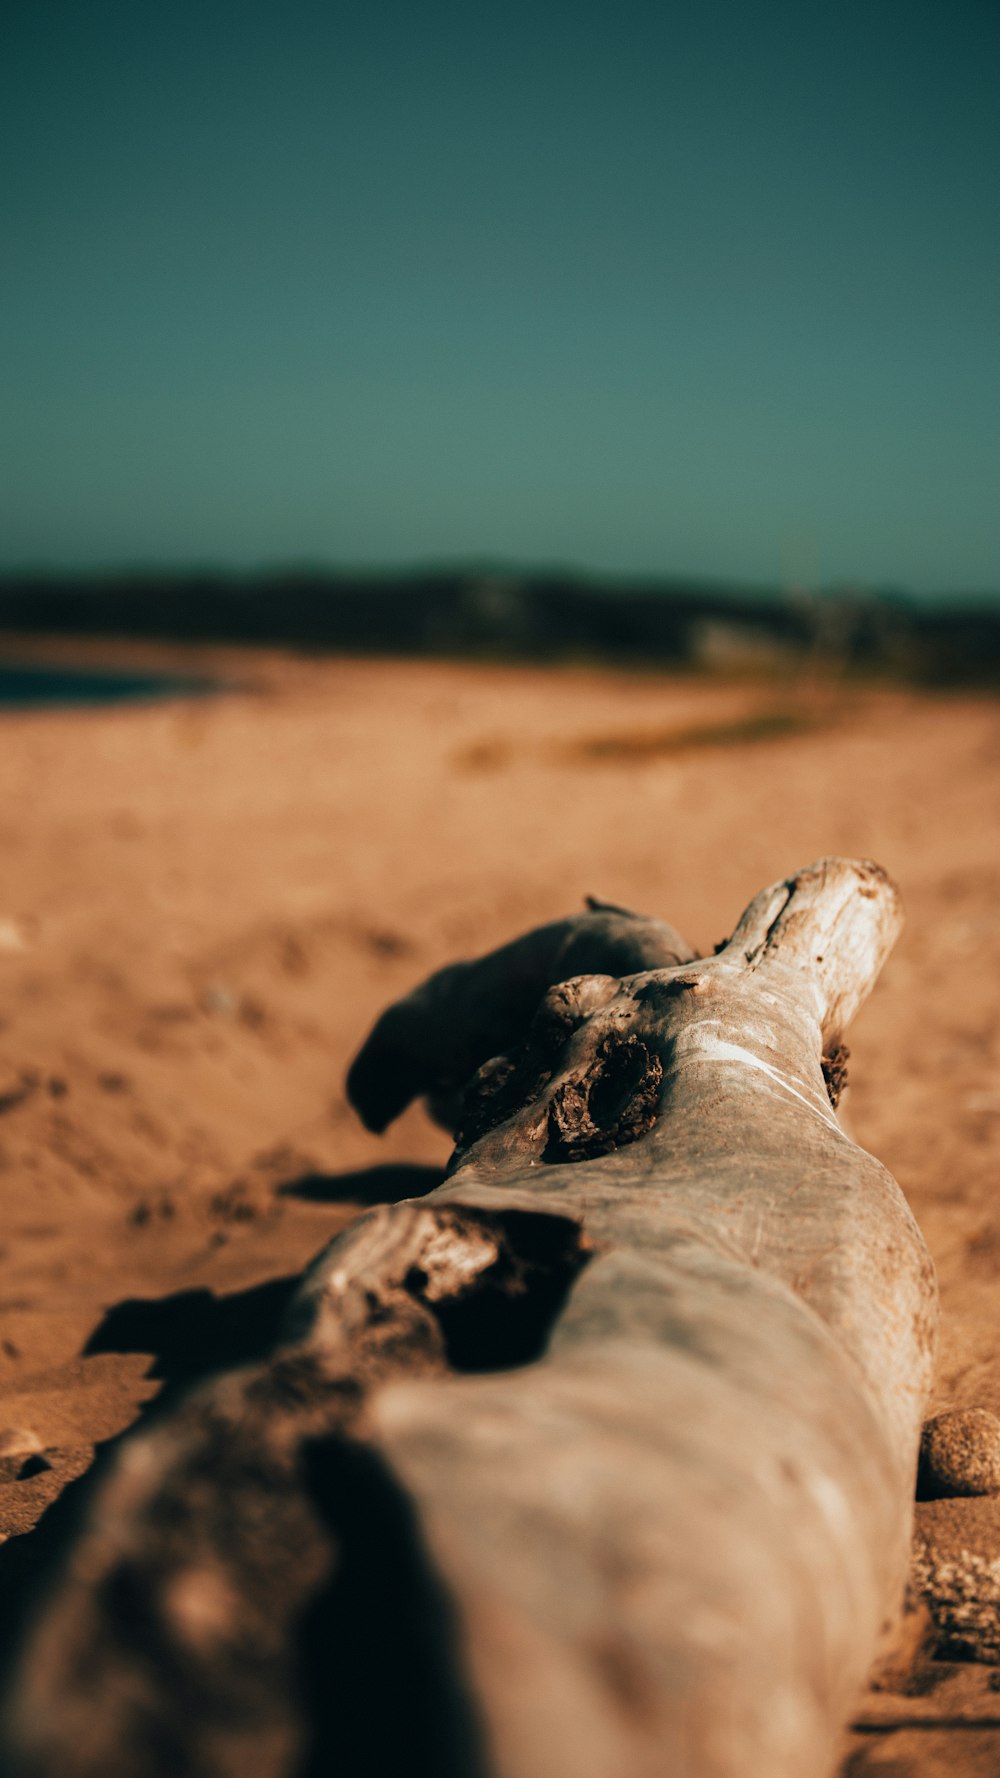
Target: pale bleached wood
(663,1532)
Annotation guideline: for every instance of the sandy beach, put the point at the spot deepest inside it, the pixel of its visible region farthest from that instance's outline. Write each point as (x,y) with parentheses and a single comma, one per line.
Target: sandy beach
(206,902)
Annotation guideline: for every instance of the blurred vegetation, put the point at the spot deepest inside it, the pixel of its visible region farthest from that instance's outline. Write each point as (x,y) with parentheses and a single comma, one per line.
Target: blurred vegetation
(652,743)
(498,614)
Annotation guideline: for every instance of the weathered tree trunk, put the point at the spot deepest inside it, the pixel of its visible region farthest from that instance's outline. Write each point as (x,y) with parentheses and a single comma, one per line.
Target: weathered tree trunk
(596,1461)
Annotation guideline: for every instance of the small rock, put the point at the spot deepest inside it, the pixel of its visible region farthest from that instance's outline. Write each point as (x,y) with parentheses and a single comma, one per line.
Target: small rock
(960,1454)
(17,1447)
(17,1441)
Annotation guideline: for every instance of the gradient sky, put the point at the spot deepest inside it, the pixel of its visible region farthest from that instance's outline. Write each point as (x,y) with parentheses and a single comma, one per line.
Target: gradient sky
(708,289)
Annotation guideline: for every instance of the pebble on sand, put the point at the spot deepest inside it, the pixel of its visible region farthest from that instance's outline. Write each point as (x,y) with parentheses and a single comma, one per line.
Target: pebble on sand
(960,1454)
(16,1441)
(17,1444)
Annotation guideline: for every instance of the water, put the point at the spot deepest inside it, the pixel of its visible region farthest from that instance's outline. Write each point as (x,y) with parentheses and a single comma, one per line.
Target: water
(28,685)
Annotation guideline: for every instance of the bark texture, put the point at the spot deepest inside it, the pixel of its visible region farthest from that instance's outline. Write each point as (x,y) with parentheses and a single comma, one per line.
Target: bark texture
(599,1459)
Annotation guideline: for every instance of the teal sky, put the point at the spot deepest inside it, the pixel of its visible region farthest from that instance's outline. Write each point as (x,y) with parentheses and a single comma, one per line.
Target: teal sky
(708,289)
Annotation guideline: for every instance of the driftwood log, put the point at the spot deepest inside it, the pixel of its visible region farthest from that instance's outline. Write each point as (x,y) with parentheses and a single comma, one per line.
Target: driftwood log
(596,1461)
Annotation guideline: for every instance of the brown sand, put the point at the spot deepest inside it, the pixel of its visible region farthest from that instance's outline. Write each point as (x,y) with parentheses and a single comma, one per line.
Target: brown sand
(205,904)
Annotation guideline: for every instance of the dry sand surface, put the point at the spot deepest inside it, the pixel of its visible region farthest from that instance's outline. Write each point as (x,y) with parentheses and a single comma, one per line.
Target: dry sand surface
(204,905)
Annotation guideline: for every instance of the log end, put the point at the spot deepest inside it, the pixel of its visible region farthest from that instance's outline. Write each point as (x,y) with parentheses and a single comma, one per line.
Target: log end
(833,923)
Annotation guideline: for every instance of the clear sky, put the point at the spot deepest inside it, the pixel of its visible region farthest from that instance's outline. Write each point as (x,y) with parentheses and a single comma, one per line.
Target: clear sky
(707,288)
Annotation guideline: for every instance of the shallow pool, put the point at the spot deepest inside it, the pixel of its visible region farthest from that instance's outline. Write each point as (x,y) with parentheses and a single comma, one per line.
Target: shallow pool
(32,684)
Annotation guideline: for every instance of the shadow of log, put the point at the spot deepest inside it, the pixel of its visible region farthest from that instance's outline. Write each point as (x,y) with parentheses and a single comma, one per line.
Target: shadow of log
(339,1650)
(385,1184)
(192,1333)
(189,1335)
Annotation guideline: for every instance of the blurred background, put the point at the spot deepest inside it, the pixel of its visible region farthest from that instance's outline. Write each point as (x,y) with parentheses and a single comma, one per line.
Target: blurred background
(563,329)
(567,438)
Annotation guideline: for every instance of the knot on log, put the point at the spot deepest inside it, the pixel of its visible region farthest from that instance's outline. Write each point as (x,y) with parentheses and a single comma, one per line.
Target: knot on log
(502,1315)
(609,1104)
(422,1290)
(507,1084)
(610,1097)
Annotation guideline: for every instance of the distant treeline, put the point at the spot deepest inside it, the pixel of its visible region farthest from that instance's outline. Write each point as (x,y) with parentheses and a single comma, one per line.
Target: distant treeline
(524,617)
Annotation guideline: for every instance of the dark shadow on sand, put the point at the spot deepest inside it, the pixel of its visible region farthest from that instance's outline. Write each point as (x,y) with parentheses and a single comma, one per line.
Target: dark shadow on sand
(192,1333)
(188,1335)
(385,1184)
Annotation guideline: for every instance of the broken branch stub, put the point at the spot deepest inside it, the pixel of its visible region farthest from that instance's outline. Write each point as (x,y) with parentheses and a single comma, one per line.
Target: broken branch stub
(647,1374)
(433,1041)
